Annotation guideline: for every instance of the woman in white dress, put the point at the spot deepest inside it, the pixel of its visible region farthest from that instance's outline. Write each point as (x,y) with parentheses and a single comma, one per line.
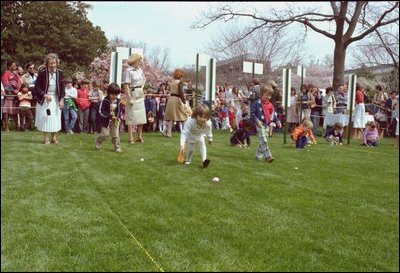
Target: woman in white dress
(359,113)
(135,112)
(49,92)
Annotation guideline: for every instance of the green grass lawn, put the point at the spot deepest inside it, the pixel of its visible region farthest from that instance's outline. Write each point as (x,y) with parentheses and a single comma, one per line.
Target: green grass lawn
(68,207)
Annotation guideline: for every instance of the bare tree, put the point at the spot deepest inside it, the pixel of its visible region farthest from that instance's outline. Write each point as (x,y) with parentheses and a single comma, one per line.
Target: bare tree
(352,21)
(159,57)
(156,56)
(381,48)
(270,46)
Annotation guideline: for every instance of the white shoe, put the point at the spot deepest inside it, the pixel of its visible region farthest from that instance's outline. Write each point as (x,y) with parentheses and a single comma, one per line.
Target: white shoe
(188,163)
(97,145)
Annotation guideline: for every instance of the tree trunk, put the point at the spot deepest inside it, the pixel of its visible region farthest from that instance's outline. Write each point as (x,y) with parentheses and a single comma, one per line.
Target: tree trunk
(338,63)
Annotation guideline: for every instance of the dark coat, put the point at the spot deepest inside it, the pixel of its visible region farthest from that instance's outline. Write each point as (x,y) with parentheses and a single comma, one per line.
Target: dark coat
(42,85)
(105,111)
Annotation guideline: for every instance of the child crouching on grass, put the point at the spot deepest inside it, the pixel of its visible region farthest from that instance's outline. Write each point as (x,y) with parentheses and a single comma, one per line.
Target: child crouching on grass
(196,128)
(262,114)
(110,112)
(334,135)
(241,138)
(370,135)
(300,133)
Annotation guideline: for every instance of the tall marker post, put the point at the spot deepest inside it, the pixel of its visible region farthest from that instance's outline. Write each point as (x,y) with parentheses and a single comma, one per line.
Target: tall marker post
(197,71)
(286,86)
(209,63)
(116,62)
(350,105)
(211,82)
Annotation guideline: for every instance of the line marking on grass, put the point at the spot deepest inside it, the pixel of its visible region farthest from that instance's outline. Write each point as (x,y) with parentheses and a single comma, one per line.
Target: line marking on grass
(148,255)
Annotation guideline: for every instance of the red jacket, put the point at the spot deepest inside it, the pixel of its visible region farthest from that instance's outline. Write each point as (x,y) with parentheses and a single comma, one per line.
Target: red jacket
(82,100)
(359,97)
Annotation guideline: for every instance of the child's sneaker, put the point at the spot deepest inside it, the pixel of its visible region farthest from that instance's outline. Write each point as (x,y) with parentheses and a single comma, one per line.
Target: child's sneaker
(205,163)
(269,159)
(118,150)
(97,145)
(188,163)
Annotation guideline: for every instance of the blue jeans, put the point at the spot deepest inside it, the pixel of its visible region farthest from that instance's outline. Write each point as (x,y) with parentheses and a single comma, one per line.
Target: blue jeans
(372,143)
(301,142)
(315,116)
(70,117)
(263,151)
(94,120)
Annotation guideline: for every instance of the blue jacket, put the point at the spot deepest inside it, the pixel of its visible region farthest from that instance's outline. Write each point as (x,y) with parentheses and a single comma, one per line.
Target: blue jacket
(257,113)
(105,111)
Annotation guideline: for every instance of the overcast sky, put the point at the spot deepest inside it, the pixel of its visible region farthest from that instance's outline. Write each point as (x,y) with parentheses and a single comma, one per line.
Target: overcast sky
(167,24)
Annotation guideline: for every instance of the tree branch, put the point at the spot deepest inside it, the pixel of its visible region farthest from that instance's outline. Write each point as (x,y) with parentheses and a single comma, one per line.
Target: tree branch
(334,8)
(379,23)
(325,33)
(388,50)
(354,20)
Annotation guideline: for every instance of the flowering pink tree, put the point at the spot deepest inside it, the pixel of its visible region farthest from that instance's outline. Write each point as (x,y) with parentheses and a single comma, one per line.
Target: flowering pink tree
(99,69)
(154,76)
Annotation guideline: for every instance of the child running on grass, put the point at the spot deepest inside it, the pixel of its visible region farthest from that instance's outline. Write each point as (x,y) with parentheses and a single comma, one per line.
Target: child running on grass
(196,128)
(110,113)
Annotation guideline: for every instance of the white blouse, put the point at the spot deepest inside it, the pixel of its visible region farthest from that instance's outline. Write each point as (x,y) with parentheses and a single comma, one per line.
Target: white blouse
(134,77)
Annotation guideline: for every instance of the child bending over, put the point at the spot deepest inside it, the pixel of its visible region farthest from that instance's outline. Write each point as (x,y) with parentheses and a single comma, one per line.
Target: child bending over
(196,128)
(110,113)
(241,138)
(334,135)
(300,133)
